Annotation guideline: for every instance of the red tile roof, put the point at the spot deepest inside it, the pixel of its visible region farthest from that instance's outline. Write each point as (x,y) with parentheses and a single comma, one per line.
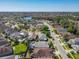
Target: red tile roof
(42,53)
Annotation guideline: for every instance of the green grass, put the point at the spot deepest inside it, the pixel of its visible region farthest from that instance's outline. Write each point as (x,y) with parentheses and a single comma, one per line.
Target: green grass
(57,57)
(20,48)
(66,47)
(76,56)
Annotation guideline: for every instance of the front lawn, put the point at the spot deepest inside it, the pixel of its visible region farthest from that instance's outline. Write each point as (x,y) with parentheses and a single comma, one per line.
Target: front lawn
(20,48)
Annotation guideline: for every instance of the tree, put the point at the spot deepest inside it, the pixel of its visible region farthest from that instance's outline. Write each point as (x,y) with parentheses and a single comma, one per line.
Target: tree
(70,28)
(46,31)
(77,32)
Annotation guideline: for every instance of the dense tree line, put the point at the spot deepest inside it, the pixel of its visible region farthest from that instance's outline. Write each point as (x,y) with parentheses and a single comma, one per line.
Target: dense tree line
(68,22)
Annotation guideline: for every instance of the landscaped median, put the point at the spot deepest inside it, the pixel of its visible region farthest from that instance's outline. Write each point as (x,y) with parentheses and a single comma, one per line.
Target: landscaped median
(66,47)
(76,56)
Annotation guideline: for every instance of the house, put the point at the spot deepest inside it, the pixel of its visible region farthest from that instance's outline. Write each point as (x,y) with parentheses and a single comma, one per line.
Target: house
(3,27)
(20,36)
(4,51)
(74,44)
(32,36)
(3,42)
(39,25)
(42,37)
(8,31)
(5,48)
(42,53)
(74,41)
(63,31)
(69,35)
(39,44)
(60,29)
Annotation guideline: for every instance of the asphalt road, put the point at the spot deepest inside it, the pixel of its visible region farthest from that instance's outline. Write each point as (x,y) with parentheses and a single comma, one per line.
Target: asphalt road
(57,43)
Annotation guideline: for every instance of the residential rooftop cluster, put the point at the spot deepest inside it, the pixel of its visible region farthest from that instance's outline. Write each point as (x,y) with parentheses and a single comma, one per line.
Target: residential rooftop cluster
(24,39)
(28,37)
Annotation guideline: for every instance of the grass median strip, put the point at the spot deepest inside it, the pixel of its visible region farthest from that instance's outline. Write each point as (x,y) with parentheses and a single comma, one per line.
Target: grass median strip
(66,47)
(69,52)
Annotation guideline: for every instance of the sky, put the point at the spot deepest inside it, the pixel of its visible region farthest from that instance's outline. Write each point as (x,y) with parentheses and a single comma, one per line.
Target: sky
(39,5)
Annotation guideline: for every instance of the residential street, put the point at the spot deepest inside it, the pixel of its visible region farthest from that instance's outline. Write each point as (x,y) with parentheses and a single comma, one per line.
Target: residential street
(8,57)
(57,43)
